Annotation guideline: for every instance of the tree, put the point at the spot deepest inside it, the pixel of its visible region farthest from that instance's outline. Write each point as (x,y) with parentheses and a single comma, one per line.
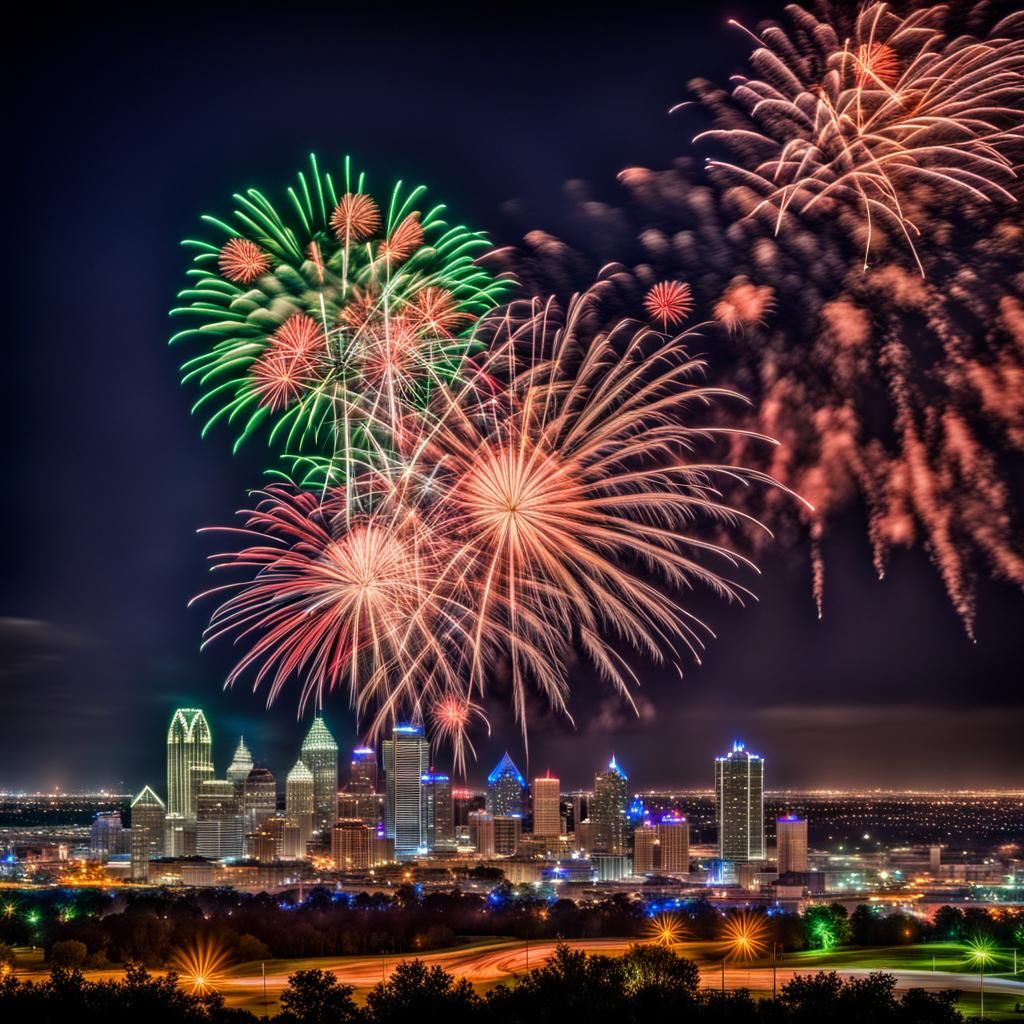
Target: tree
(69,953)
(948,923)
(317,997)
(417,992)
(8,961)
(251,948)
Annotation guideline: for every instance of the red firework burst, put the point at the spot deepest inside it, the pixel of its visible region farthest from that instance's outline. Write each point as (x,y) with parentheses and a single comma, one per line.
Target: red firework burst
(434,310)
(242,261)
(278,379)
(356,218)
(670,302)
(299,338)
(876,63)
(403,241)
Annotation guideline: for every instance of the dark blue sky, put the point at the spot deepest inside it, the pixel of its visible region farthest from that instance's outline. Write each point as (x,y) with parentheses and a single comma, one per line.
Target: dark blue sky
(122,130)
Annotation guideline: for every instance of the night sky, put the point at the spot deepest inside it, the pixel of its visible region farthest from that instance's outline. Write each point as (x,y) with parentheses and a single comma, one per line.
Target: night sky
(121,132)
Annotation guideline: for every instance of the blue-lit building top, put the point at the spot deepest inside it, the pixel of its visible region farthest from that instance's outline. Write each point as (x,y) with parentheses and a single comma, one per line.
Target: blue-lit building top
(506,789)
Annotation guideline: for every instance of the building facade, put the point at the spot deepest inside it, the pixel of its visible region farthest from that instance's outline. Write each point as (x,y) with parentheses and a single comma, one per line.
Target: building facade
(362,773)
(320,756)
(791,844)
(189,761)
(674,845)
(219,829)
(406,761)
(438,826)
(107,837)
(351,846)
(739,800)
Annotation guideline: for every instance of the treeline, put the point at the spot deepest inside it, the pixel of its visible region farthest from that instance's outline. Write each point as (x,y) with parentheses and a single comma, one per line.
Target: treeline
(93,929)
(648,984)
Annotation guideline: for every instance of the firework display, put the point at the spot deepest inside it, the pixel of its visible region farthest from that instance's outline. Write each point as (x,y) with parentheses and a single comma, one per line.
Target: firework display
(551,501)
(322,320)
(877,135)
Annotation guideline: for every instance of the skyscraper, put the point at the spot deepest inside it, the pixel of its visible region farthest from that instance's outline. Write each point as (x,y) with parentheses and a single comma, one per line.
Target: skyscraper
(791,843)
(259,802)
(508,829)
(547,807)
(481,832)
(148,815)
(739,798)
(320,755)
(106,838)
(362,774)
(608,810)
(505,789)
(406,760)
(438,828)
(219,832)
(674,845)
(189,761)
(300,803)
(241,765)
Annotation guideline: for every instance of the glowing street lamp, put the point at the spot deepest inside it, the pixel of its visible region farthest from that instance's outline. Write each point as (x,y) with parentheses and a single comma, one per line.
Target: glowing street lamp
(979,951)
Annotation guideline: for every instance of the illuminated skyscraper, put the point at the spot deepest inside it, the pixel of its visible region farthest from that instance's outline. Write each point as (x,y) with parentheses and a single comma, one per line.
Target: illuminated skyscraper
(608,810)
(438,828)
(791,843)
(362,775)
(300,803)
(259,802)
(148,818)
(189,761)
(674,845)
(241,765)
(219,832)
(739,798)
(481,832)
(320,755)
(547,807)
(406,760)
(506,789)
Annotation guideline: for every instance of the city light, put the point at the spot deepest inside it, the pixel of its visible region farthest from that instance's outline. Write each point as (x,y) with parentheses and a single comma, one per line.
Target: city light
(665,929)
(745,935)
(201,967)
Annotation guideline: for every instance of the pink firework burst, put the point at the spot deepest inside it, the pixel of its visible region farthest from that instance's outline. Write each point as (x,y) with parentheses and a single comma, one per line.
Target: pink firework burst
(356,218)
(242,261)
(451,717)
(279,379)
(299,338)
(670,302)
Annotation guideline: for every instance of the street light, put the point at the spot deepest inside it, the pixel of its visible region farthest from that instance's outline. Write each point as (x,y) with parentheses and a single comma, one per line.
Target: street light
(980,951)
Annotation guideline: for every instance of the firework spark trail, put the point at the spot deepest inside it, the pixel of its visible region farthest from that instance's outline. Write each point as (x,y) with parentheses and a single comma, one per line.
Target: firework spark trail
(553,500)
(927,442)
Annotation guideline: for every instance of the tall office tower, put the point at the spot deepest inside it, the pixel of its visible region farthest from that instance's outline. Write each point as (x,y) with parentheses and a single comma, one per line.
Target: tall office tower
(350,845)
(219,831)
(674,845)
(584,836)
(300,803)
(241,765)
(438,810)
(406,759)
(259,802)
(791,843)
(608,810)
(739,797)
(508,829)
(189,760)
(362,772)
(481,833)
(580,806)
(645,843)
(148,821)
(547,807)
(106,836)
(366,807)
(276,839)
(506,788)
(462,804)
(320,755)
(175,836)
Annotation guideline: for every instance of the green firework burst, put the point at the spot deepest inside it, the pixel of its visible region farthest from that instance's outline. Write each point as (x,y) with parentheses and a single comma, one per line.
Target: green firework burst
(326,322)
